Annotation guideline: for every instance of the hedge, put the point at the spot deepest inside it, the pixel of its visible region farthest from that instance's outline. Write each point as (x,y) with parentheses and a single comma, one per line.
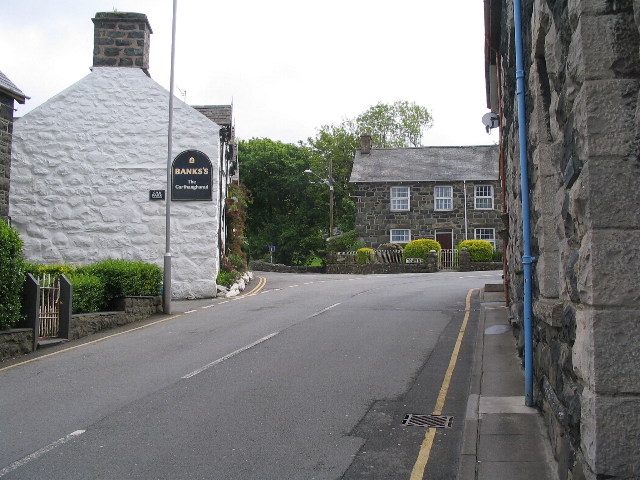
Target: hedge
(364,255)
(480,250)
(420,249)
(11,276)
(88,293)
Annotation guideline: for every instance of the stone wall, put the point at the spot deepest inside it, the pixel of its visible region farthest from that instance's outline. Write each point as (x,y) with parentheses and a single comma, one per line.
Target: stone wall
(19,341)
(374,218)
(6,130)
(582,68)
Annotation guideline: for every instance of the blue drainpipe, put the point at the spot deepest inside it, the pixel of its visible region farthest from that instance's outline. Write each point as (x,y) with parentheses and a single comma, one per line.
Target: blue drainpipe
(527,259)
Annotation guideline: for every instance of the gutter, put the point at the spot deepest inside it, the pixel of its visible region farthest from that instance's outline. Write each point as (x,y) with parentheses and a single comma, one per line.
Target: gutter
(527,259)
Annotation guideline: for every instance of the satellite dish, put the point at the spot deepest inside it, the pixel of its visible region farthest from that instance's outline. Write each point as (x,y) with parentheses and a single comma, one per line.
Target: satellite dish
(490,120)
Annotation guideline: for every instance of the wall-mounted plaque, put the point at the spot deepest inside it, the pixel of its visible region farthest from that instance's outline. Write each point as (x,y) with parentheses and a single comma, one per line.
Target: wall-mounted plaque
(156,194)
(191,177)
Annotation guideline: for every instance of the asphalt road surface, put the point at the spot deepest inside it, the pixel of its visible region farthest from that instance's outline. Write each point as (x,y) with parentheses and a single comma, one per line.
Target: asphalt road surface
(302,377)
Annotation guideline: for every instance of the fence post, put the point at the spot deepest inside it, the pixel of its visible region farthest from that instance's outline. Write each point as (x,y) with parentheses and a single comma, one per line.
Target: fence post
(65,308)
(432,262)
(32,306)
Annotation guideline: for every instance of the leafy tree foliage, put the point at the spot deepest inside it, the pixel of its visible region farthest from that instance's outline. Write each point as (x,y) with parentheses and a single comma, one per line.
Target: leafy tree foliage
(400,124)
(287,210)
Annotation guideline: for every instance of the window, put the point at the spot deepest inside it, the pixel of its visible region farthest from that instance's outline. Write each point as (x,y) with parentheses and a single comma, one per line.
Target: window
(400,236)
(488,234)
(484,197)
(443,198)
(399,199)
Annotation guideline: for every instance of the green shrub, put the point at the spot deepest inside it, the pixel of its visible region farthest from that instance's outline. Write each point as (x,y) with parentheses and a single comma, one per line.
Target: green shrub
(497,256)
(88,293)
(480,250)
(226,279)
(347,242)
(55,270)
(124,278)
(364,255)
(11,276)
(237,261)
(420,249)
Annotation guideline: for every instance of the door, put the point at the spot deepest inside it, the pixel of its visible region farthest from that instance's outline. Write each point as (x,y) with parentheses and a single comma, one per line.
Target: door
(446,257)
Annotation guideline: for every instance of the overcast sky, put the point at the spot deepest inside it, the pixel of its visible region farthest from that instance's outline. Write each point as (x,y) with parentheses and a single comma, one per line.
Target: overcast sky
(288,66)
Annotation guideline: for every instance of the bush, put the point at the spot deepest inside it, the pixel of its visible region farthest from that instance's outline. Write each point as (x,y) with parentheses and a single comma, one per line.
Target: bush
(55,270)
(11,276)
(123,278)
(497,256)
(237,261)
(88,293)
(480,250)
(226,279)
(420,249)
(347,242)
(364,255)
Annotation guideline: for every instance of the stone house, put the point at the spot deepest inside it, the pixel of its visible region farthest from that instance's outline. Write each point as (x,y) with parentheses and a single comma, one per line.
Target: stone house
(449,194)
(9,94)
(87,160)
(581,78)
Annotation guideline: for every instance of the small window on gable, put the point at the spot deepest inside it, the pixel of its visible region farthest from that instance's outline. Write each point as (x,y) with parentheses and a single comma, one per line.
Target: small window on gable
(484,197)
(443,198)
(400,199)
(400,236)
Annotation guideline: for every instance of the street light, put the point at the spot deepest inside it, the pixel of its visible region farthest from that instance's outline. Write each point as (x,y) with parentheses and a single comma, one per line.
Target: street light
(329,183)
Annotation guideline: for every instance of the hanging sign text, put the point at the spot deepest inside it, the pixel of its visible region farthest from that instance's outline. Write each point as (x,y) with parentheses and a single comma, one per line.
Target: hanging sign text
(191,177)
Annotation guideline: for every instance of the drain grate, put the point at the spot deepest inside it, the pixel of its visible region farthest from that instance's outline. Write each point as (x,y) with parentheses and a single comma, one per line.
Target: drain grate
(427,421)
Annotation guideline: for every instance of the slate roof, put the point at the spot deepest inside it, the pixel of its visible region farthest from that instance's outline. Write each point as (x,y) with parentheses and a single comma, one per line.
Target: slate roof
(10,88)
(428,164)
(221,114)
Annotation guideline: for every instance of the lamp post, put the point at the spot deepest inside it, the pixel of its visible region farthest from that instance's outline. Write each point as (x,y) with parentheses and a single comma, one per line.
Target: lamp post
(329,183)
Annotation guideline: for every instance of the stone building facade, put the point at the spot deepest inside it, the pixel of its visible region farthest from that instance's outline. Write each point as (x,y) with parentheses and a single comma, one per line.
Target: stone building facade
(582,84)
(446,193)
(9,94)
(85,163)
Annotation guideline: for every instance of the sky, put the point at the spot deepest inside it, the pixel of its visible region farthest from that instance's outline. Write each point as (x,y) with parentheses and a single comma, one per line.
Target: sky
(288,66)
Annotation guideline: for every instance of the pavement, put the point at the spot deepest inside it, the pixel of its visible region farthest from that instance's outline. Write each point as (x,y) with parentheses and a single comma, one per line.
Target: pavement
(503,438)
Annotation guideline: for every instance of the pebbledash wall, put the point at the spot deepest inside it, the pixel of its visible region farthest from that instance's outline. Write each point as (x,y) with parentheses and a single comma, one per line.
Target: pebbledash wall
(582,72)
(83,165)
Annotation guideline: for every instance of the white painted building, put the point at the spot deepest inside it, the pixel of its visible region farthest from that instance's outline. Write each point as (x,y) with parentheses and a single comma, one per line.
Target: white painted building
(85,161)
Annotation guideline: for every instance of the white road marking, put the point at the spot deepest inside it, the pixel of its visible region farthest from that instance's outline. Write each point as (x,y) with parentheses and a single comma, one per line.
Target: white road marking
(39,453)
(190,311)
(232,354)
(324,310)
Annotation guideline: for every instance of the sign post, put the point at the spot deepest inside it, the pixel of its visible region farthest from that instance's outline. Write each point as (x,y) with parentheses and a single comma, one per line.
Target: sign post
(272,248)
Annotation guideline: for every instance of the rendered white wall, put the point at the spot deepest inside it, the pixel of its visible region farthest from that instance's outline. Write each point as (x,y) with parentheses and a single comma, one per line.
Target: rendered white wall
(83,165)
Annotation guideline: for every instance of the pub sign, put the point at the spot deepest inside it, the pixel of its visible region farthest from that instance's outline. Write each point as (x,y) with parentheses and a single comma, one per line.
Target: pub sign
(191,177)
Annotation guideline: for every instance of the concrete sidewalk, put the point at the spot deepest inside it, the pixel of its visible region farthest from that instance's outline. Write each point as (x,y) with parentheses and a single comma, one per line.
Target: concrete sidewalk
(503,438)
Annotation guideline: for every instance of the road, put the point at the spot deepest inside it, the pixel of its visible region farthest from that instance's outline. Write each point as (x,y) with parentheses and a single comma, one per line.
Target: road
(306,377)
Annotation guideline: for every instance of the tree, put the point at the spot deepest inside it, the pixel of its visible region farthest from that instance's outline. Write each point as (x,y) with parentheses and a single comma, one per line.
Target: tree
(400,124)
(286,209)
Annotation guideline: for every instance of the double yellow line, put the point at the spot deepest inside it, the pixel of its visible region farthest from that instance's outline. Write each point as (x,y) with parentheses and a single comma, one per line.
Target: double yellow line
(425,449)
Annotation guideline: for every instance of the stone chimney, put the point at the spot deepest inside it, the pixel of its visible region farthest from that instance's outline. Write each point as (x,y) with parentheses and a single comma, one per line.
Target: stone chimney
(365,143)
(121,39)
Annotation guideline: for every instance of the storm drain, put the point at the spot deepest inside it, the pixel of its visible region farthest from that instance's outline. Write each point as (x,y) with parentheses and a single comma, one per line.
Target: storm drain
(427,421)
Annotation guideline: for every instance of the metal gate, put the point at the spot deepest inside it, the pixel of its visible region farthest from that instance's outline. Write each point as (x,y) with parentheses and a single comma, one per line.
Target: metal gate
(448,259)
(49,312)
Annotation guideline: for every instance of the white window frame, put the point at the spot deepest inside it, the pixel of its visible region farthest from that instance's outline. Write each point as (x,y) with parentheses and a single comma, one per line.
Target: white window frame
(406,238)
(480,194)
(400,199)
(482,234)
(443,200)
